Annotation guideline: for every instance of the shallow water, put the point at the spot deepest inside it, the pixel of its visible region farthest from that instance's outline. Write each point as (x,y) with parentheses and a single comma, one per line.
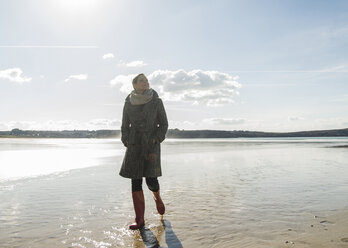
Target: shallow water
(218,192)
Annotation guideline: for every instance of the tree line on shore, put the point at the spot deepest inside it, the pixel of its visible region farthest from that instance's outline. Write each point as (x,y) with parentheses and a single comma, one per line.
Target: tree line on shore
(172,133)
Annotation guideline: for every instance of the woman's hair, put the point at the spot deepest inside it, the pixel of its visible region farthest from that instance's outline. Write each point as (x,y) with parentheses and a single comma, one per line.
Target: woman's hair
(136,78)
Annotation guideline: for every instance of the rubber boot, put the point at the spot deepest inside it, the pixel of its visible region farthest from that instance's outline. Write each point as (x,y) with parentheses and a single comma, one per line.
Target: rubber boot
(159,203)
(139,209)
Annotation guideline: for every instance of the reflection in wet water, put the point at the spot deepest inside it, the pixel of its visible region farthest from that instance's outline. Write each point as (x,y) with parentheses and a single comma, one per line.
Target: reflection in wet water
(217,194)
(20,158)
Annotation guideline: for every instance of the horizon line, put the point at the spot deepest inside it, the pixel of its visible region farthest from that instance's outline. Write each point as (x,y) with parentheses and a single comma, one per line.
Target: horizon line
(180,130)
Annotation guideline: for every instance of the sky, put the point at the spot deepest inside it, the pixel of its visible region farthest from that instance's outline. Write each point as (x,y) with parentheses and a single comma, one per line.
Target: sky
(257,65)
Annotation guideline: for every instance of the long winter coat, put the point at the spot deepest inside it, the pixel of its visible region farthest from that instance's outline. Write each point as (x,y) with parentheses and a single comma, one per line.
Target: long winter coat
(141,124)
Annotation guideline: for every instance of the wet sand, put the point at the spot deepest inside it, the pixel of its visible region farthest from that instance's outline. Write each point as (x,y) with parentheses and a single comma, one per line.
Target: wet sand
(217,194)
(327,231)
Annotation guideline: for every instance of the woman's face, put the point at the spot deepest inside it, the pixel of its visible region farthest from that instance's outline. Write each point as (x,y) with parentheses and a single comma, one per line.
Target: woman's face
(142,84)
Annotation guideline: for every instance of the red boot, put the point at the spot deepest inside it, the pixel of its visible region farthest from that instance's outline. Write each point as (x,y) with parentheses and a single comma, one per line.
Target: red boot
(159,203)
(139,208)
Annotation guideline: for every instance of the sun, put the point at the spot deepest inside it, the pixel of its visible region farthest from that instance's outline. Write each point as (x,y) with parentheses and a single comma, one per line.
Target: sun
(69,19)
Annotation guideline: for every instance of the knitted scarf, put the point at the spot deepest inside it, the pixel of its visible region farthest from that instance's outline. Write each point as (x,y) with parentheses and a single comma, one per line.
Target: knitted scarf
(138,99)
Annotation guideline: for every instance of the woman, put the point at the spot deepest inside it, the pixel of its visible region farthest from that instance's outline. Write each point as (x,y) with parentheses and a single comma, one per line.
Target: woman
(144,125)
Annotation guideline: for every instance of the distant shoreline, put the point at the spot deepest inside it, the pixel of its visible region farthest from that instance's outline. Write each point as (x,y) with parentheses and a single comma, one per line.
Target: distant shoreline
(172,133)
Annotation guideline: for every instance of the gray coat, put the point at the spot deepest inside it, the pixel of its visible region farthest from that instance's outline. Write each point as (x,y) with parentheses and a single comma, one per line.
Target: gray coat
(141,124)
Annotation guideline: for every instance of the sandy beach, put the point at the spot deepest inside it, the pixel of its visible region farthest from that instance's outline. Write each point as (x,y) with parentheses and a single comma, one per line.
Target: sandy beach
(218,193)
(322,231)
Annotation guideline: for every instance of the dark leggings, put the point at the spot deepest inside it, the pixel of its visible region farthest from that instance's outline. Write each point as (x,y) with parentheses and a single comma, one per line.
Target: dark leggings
(151,182)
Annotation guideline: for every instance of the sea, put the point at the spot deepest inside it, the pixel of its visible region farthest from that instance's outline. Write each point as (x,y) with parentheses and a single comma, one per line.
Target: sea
(233,192)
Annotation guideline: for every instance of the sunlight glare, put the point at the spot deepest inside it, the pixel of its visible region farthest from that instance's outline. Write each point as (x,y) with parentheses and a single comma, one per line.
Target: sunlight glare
(77,6)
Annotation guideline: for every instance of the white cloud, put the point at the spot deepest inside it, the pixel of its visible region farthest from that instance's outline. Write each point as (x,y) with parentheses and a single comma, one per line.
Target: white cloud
(225,121)
(77,77)
(182,124)
(25,125)
(211,88)
(213,124)
(108,56)
(93,124)
(105,123)
(136,63)
(331,122)
(294,118)
(339,98)
(336,68)
(124,81)
(14,75)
